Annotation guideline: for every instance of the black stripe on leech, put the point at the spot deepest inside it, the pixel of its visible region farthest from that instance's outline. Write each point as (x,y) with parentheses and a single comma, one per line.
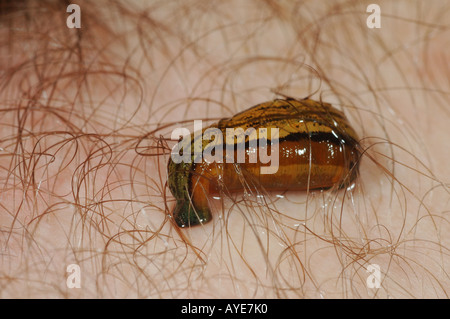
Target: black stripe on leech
(315,137)
(312,136)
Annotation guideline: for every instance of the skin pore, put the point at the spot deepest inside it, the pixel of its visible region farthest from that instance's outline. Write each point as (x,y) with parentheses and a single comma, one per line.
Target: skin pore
(85,122)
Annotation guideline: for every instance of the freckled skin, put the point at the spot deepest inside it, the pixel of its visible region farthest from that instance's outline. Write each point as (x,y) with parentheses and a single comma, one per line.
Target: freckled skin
(317,150)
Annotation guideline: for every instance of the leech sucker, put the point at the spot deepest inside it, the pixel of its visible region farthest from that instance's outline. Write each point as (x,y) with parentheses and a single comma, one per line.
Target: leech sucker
(311,146)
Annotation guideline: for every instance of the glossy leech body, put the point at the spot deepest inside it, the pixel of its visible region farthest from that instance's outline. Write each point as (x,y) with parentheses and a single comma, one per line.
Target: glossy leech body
(318,149)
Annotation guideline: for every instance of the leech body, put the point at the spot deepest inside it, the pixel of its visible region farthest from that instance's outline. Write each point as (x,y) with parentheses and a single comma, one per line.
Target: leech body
(318,149)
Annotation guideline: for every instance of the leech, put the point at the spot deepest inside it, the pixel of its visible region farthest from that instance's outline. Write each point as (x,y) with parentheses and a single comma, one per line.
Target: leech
(315,148)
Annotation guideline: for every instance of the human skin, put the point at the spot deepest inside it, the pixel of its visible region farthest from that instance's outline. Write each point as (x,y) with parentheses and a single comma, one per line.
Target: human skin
(85,122)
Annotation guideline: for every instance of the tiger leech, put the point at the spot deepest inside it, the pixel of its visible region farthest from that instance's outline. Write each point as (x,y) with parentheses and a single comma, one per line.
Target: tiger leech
(318,149)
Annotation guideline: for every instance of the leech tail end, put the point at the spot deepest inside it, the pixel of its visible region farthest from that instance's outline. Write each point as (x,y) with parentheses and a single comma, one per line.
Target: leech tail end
(185,215)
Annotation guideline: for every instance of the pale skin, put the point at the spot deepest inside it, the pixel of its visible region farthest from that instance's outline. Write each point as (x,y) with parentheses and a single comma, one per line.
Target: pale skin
(77,185)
